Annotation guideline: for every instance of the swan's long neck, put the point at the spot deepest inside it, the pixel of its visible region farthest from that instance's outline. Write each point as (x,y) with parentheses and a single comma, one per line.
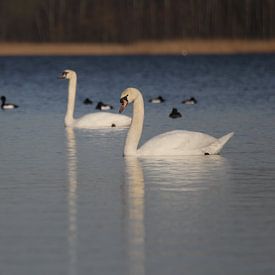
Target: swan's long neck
(69,118)
(135,130)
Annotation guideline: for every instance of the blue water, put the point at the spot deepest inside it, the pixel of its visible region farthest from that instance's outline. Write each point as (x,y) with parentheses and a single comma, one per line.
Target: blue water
(71,204)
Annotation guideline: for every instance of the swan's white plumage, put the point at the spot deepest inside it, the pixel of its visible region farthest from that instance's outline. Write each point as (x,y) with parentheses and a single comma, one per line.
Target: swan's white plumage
(180,142)
(102,120)
(173,143)
(89,121)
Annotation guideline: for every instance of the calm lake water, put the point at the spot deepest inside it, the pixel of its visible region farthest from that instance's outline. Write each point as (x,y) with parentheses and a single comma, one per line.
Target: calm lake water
(71,204)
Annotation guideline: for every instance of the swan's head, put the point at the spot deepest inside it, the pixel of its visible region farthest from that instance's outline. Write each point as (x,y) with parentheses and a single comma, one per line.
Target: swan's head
(67,74)
(128,96)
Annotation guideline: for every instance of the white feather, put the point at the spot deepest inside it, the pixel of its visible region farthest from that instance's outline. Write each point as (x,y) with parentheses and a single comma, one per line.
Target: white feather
(173,143)
(102,120)
(90,121)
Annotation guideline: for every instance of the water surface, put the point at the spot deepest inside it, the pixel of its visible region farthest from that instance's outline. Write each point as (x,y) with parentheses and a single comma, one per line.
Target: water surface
(71,204)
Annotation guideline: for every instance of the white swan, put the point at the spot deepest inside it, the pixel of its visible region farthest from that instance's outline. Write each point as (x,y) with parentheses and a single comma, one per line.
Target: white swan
(90,121)
(172,143)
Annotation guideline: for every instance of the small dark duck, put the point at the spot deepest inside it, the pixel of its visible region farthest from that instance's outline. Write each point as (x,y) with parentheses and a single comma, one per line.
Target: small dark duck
(158,99)
(191,100)
(175,113)
(103,107)
(87,101)
(7,106)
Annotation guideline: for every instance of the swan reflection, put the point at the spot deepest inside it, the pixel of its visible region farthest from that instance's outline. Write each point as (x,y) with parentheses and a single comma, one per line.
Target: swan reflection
(177,174)
(186,173)
(72,199)
(134,193)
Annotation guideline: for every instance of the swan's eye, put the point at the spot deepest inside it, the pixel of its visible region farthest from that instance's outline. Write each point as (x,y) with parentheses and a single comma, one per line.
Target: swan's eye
(124,98)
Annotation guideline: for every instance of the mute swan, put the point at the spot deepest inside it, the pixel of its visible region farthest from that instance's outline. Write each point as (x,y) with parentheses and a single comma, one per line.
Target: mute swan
(103,107)
(191,100)
(172,143)
(7,106)
(175,113)
(158,99)
(90,121)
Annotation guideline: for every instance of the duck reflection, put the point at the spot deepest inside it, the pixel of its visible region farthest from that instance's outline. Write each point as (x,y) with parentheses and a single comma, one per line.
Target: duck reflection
(72,199)
(134,194)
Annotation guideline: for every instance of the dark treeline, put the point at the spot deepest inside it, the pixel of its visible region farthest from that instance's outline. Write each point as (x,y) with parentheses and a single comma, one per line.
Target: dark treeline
(132,20)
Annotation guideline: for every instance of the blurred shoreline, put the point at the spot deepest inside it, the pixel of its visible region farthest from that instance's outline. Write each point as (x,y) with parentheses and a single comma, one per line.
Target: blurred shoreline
(183,47)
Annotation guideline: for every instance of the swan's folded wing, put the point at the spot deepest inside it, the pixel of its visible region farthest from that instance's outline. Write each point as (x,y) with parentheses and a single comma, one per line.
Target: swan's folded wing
(177,143)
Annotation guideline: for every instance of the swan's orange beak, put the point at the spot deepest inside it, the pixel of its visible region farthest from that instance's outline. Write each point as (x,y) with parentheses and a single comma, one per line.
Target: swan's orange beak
(123,105)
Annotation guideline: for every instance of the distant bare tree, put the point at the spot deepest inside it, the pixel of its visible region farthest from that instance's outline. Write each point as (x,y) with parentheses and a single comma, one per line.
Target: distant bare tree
(131,20)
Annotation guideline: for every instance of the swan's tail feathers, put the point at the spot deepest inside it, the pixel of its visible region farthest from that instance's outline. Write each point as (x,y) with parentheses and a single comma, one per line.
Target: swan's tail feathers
(216,147)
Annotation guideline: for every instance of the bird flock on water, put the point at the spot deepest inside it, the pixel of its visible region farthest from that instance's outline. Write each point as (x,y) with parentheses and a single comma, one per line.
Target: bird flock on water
(177,142)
